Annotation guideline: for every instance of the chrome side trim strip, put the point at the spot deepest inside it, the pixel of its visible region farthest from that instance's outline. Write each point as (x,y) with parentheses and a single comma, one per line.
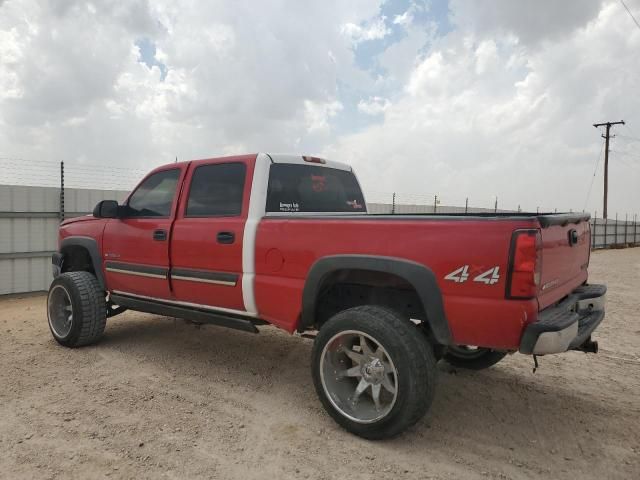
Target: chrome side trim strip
(138,274)
(188,304)
(203,280)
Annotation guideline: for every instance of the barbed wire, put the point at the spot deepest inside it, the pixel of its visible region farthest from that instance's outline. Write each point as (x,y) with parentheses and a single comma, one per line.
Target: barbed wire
(40,173)
(87,175)
(426,203)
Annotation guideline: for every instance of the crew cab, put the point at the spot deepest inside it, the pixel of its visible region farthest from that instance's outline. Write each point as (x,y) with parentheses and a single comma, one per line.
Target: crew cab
(286,240)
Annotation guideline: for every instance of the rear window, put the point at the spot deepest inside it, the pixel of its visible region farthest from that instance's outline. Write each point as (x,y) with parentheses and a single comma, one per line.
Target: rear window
(306,188)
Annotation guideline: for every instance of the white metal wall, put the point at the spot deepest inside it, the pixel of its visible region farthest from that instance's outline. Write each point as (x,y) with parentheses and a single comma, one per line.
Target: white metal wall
(29,218)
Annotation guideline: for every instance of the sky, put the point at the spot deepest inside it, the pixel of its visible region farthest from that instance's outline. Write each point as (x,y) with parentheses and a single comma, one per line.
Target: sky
(459,98)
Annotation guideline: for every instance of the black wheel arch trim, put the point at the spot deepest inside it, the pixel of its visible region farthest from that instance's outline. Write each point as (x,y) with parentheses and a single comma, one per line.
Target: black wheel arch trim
(91,246)
(419,276)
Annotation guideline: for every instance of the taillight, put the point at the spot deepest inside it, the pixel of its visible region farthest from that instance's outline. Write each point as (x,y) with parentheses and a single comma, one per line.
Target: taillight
(525,264)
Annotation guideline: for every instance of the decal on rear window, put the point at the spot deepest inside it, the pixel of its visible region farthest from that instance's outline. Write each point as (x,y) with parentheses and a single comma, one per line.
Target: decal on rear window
(289,207)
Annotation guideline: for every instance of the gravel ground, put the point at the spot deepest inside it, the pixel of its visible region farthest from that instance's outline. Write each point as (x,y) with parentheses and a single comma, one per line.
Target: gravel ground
(159,398)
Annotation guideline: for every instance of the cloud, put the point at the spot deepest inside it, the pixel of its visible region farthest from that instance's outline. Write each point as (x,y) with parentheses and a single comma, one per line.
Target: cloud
(405,19)
(74,85)
(530,22)
(374,30)
(317,115)
(498,103)
(486,56)
(374,105)
(483,117)
(11,53)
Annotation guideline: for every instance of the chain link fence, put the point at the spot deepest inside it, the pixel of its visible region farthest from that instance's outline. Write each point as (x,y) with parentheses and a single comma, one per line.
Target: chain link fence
(81,184)
(608,233)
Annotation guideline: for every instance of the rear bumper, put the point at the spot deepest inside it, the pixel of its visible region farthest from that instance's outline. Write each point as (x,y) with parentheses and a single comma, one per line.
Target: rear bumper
(567,325)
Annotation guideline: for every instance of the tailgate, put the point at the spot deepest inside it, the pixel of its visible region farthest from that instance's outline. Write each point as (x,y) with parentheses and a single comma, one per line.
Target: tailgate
(565,255)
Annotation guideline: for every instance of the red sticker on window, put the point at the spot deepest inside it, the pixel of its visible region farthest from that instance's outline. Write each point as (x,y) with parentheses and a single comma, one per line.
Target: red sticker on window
(318,183)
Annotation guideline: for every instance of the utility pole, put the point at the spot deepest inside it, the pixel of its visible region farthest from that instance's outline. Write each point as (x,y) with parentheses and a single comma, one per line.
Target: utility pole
(606,137)
(61,205)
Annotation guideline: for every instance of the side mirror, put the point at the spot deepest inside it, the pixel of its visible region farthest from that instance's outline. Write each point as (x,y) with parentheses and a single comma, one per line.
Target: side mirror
(106,209)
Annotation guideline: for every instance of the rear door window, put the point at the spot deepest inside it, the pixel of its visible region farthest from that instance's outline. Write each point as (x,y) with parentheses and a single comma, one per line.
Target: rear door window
(216,190)
(307,188)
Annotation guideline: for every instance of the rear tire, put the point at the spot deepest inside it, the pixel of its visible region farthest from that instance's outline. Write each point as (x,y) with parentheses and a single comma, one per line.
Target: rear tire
(76,309)
(373,372)
(473,359)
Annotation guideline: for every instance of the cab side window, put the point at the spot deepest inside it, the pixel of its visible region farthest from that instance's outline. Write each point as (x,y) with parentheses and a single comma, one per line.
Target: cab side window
(154,196)
(216,190)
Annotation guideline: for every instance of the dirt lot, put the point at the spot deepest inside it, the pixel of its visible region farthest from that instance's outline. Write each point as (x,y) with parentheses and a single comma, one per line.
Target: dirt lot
(159,398)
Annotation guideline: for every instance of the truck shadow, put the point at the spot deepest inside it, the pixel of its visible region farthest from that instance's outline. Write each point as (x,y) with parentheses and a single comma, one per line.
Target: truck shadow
(504,409)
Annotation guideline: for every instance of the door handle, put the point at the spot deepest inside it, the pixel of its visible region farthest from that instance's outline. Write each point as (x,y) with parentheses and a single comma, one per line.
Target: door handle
(226,237)
(160,235)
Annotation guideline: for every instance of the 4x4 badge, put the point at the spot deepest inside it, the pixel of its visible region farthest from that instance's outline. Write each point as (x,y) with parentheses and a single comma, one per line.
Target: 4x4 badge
(461,275)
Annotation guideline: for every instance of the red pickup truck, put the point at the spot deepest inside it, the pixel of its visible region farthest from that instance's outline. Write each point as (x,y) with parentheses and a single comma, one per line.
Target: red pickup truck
(286,240)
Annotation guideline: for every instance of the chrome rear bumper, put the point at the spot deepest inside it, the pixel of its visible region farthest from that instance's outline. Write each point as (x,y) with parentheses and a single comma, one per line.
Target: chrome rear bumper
(567,325)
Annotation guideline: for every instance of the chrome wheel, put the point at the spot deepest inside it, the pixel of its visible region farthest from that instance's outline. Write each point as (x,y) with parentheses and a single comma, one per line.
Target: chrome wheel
(60,311)
(358,376)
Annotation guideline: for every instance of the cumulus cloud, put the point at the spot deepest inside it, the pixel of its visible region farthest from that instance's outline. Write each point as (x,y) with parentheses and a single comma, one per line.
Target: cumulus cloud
(374,105)
(317,115)
(74,85)
(499,103)
(373,30)
(405,19)
(530,22)
(11,54)
(485,118)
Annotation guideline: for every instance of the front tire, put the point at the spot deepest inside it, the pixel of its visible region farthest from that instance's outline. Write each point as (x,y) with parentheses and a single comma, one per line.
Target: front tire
(373,372)
(76,309)
(473,358)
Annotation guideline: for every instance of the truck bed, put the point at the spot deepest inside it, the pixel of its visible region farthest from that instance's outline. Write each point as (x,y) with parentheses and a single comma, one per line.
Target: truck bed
(443,242)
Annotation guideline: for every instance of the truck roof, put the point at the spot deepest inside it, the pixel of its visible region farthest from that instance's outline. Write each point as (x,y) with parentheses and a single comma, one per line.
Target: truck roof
(275,158)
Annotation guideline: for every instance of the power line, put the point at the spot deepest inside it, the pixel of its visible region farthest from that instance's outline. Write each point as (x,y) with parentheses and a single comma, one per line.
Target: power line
(630,14)
(23,162)
(633,134)
(635,139)
(628,163)
(595,170)
(618,152)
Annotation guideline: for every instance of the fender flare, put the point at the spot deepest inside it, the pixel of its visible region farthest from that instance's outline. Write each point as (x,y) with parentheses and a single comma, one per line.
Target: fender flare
(419,276)
(91,246)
